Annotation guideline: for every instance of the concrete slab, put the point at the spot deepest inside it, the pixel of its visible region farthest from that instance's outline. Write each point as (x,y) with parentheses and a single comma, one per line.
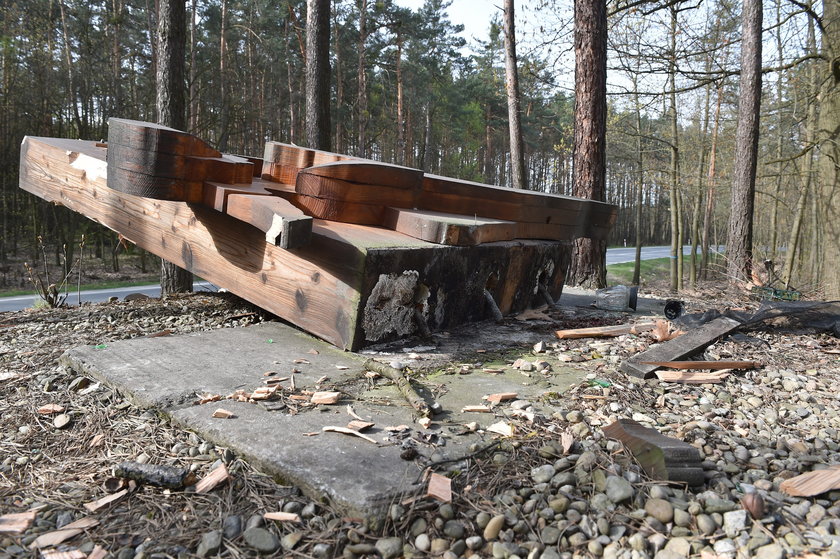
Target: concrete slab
(169,373)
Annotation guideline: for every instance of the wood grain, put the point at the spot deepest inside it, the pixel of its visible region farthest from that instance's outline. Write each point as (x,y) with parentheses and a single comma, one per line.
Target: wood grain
(284,225)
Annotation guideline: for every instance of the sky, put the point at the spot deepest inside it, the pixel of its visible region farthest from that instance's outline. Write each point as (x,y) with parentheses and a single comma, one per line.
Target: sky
(474,15)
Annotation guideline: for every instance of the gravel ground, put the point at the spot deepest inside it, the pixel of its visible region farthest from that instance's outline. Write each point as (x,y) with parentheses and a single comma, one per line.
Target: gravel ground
(526,497)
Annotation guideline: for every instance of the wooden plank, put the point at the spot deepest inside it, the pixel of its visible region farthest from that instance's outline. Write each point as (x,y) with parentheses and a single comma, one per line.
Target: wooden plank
(216,193)
(686,345)
(605,331)
(370,172)
(284,225)
(709,365)
(344,212)
(148,136)
(691,377)
(663,458)
(345,191)
(227,168)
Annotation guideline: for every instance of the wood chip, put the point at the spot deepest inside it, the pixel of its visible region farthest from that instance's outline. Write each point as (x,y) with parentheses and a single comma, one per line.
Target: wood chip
(346,431)
(301,362)
(342,367)
(566,441)
(813,483)
(16,522)
(397,428)
(209,482)
(501,428)
(222,413)
(311,434)
(662,332)
(52,539)
(493,371)
(501,396)
(325,397)
(282,516)
(352,413)
(48,409)
(424,422)
(56,554)
(105,501)
(313,352)
(440,488)
(357,425)
(98,552)
(476,409)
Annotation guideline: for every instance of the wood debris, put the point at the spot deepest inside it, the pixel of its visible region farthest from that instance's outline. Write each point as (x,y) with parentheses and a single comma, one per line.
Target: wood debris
(16,522)
(604,331)
(357,425)
(209,482)
(351,412)
(501,428)
(172,477)
(346,431)
(440,488)
(98,552)
(221,413)
(403,384)
(97,440)
(70,554)
(424,422)
(501,396)
(325,397)
(54,538)
(813,483)
(105,501)
(693,377)
(567,441)
(279,516)
(476,409)
(662,458)
(493,371)
(678,348)
(48,409)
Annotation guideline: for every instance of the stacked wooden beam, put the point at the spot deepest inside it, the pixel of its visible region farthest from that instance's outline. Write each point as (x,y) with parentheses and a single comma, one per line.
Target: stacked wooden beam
(352,250)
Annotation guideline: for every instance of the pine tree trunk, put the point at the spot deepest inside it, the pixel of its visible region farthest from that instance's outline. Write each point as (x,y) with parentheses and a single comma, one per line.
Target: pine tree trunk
(739,239)
(318,74)
(361,94)
(588,266)
(171,106)
(517,154)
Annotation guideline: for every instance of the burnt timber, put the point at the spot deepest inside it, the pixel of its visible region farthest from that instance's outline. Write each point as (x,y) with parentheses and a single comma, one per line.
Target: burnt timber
(353,251)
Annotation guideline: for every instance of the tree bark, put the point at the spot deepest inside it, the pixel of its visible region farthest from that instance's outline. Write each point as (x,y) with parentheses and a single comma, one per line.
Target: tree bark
(588,267)
(318,74)
(517,154)
(171,106)
(739,239)
(830,150)
(361,94)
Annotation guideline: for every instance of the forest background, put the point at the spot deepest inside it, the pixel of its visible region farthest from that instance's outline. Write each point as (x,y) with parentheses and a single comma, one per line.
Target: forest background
(406,89)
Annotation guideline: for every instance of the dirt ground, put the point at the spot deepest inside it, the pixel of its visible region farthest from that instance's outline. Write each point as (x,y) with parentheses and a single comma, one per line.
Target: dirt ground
(551,490)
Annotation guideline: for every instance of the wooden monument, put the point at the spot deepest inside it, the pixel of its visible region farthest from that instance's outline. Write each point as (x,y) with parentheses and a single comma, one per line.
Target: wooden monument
(352,250)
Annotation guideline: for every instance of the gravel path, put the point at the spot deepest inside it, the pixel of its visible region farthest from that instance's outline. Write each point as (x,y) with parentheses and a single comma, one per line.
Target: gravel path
(527,497)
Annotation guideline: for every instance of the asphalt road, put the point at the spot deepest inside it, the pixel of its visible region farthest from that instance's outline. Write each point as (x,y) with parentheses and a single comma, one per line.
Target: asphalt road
(614,256)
